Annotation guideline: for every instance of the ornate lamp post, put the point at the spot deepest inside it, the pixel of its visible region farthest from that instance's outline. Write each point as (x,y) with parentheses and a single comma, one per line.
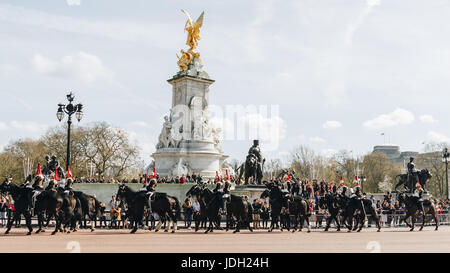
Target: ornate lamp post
(445,159)
(69,109)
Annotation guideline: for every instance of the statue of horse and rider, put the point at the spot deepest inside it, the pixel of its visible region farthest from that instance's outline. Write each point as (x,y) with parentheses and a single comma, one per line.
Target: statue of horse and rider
(51,166)
(253,165)
(410,179)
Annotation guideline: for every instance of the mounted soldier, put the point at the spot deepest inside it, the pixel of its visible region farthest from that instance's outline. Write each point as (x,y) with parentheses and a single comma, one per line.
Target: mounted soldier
(151,189)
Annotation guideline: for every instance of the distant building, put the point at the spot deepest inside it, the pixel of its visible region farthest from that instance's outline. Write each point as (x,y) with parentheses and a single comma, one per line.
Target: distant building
(393,152)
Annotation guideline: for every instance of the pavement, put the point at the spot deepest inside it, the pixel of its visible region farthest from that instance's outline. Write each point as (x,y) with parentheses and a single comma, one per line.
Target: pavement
(259,241)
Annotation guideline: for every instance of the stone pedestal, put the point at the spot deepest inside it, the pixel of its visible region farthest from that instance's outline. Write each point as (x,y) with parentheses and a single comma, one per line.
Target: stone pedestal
(187,142)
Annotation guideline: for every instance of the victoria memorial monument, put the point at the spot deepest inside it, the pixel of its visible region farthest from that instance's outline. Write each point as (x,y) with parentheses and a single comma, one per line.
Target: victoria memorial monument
(188,143)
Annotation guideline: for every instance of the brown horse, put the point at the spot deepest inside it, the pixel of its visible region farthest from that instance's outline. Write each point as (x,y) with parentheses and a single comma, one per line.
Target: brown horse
(413,211)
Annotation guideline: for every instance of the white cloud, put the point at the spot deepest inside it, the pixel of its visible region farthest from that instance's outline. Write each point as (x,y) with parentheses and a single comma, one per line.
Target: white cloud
(427,119)
(360,20)
(3,126)
(28,126)
(146,143)
(139,124)
(73,2)
(81,66)
(398,117)
(317,139)
(437,137)
(332,124)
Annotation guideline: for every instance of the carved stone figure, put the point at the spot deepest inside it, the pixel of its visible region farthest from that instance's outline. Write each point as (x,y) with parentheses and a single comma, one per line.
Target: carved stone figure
(180,168)
(165,137)
(216,138)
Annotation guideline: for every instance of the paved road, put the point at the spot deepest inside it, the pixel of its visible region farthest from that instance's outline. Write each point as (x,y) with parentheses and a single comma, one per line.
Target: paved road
(388,240)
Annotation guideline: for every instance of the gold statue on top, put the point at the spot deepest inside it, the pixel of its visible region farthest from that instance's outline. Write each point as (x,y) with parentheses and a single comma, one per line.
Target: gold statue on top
(193,30)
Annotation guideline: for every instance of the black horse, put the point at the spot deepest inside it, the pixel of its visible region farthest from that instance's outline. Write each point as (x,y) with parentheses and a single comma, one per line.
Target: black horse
(423,176)
(166,206)
(90,208)
(277,201)
(48,202)
(66,214)
(412,210)
(210,203)
(359,208)
(330,202)
(21,204)
(299,208)
(241,210)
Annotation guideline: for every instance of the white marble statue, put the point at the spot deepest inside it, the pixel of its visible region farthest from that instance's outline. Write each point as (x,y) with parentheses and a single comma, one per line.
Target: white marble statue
(165,139)
(180,168)
(216,139)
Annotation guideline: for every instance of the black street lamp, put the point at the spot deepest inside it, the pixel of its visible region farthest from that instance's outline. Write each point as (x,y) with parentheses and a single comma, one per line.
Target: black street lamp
(69,109)
(445,157)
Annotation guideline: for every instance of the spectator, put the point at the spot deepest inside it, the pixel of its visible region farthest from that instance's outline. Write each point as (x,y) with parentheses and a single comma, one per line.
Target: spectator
(197,217)
(112,203)
(188,212)
(265,214)
(256,214)
(115,217)
(102,215)
(3,211)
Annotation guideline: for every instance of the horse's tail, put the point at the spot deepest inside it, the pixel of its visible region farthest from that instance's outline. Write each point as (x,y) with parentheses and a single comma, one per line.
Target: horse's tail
(308,209)
(177,208)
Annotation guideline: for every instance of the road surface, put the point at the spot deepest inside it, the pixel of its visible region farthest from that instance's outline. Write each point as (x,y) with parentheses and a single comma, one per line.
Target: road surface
(188,241)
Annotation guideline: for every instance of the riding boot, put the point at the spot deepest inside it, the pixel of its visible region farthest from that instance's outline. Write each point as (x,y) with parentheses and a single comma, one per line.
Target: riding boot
(421,209)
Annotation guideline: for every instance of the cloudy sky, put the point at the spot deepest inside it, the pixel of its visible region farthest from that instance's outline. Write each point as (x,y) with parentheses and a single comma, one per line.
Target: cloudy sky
(335,73)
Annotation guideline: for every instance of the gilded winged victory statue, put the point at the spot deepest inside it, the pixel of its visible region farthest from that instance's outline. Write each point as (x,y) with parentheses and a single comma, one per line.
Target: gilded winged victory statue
(193,30)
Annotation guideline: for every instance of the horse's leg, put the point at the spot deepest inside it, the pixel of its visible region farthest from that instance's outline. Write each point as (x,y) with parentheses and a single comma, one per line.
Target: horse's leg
(336,219)
(413,221)
(49,216)
(27,216)
(167,221)
(271,222)
(238,224)
(328,222)
(57,224)
(158,226)
(39,219)
(174,221)
(248,225)
(135,225)
(376,218)
(362,218)
(308,226)
(436,220)
(350,222)
(423,220)
(10,221)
